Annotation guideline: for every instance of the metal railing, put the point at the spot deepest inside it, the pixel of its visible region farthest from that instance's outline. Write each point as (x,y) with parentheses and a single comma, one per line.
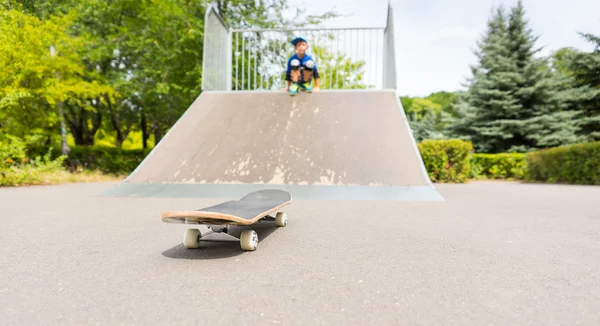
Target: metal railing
(216,61)
(256,59)
(389,57)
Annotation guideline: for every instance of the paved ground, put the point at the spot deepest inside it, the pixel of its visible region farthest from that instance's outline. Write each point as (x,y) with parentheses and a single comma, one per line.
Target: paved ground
(494,253)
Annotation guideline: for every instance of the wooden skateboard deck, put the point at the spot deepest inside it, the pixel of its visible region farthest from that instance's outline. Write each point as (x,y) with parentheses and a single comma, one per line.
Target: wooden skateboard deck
(245,211)
(250,209)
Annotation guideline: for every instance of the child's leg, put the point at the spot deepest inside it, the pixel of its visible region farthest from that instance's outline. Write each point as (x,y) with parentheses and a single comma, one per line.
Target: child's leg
(295,70)
(295,76)
(308,71)
(307,75)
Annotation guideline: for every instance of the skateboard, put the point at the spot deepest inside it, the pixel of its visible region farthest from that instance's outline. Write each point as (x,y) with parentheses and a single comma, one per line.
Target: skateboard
(255,207)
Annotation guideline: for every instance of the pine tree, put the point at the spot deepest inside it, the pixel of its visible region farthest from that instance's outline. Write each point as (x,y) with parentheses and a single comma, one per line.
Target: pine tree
(515,102)
(487,109)
(547,116)
(585,69)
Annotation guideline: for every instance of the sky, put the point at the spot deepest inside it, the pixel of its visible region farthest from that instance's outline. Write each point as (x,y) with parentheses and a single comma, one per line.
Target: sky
(435,39)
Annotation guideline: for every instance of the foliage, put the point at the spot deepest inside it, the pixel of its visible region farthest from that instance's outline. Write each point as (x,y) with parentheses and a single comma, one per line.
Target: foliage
(429,126)
(119,67)
(574,164)
(446,160)
(515,102)
(584,69)
(42,68)
(452,161)
(40,9)
(17,169)
(13,151)
(337,71)
(108,160)
(427,116)
(507,166)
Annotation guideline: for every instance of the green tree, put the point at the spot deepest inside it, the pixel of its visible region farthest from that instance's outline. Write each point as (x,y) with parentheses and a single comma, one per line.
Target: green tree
(486,112)
(42,69)
(584,68)
(138,64)
(338,71)
(151,53)
(560,61)
(515,102)
(427,116)
(549,113)
(41,9)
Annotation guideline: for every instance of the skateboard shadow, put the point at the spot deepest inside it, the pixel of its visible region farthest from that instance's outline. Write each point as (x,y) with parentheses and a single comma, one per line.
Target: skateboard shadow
(218,250)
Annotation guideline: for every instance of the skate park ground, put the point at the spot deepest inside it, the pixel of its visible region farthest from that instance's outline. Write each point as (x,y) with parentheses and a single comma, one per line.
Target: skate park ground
(493,253)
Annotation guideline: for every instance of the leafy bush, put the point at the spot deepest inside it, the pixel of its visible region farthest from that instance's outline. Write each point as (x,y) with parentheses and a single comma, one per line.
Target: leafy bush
(446,160)
(574,164)
(108,160)
(499,166)
(17,169)
(12,152)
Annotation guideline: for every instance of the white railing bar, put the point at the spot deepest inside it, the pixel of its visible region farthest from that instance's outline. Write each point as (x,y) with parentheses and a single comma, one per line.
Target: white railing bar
(237,60)
(241,30)
(333,67)
(362,53)
(325,44)
(269,48)
(243,62)
(376,57)
(368,74)
(335,55)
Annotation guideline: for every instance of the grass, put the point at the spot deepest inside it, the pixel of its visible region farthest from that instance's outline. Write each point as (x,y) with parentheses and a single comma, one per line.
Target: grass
(44,175)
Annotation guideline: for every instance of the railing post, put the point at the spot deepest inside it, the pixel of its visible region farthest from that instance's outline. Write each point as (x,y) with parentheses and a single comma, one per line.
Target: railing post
(216,57)
(389,52)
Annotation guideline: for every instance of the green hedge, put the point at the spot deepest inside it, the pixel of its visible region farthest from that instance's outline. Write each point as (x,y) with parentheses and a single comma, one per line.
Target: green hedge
(508,166)
(453,161)
(446,160)
(108,160)
(573,164)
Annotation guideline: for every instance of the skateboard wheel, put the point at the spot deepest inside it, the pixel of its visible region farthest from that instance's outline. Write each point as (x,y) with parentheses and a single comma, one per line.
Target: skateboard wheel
(191,238)
(249,240)
(281,219)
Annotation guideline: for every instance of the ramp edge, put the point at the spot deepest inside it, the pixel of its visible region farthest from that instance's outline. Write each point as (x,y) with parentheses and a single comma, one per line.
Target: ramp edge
(157,146)
(413,141)
(299,192)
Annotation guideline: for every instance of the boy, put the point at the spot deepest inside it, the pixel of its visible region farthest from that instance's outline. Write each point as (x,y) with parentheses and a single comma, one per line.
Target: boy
(301,68)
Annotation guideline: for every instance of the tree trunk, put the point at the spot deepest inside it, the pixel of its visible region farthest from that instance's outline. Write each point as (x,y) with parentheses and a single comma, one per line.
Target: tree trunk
(121,134)
(78,123)
(145,133)
(157,135)
(65,150)
(115,116)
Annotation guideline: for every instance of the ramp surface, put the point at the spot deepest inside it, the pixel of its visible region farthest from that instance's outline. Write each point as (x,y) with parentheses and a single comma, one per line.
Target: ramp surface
(329,144)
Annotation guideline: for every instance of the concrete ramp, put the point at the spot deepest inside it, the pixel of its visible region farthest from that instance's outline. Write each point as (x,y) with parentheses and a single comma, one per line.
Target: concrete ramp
(324,145)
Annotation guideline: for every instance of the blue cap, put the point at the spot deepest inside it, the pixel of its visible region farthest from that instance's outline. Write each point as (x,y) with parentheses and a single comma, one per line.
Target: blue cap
(298,39)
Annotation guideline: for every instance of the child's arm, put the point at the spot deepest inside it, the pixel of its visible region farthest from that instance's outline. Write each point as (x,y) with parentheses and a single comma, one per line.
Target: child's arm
(288,74)
(317,78)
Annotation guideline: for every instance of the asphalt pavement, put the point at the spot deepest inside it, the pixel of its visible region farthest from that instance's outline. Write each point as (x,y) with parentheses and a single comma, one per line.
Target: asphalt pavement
(493,253)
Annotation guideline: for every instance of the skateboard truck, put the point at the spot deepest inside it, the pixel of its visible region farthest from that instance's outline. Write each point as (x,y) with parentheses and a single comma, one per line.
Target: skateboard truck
(223,228)
(248,238)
